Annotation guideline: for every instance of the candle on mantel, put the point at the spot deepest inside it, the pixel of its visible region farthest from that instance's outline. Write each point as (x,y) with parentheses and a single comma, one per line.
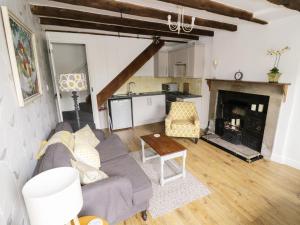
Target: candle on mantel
(238,122)
(233,122)
(260,108)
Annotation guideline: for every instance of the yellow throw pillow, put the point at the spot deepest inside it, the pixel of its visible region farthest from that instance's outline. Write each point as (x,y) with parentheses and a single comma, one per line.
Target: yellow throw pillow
(86,135)
(87,173)
(85,153)
(64,137)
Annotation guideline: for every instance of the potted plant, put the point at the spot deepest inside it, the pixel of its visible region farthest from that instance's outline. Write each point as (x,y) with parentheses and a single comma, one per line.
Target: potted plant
(274,73)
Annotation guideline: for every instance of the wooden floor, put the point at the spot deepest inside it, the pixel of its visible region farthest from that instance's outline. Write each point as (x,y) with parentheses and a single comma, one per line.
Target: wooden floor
(263,192)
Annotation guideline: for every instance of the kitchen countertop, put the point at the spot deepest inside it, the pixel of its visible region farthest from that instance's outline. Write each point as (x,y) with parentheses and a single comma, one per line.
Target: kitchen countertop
(125,96)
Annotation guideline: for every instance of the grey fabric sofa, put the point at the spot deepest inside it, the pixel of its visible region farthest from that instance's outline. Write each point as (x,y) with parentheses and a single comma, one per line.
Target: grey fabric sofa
(126,192)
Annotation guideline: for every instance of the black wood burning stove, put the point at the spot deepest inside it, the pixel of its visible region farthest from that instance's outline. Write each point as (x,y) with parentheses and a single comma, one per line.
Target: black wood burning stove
(241,117)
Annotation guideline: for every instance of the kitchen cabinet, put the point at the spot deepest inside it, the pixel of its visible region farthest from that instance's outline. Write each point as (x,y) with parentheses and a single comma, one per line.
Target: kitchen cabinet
(188,61)
(148,109)
(196,61)
(161,63)
(171,63)
(178,62)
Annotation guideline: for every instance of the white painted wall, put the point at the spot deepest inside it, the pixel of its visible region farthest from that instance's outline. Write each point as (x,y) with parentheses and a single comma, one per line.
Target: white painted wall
(70,58)
(107,57)
(291,153)
(22,128)
(246,49)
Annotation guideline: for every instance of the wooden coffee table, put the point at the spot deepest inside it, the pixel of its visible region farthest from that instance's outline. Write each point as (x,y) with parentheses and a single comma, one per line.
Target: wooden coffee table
(166,149)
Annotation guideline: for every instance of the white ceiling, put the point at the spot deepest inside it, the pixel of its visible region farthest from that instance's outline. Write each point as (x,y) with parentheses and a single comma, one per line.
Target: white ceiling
(261,9)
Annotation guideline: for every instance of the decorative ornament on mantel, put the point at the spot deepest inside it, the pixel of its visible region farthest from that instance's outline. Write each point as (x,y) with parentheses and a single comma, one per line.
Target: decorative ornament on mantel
(274,73)
(180,25)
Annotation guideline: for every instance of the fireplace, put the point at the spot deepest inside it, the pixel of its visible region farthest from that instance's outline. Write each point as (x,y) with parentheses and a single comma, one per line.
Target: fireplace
(241,118)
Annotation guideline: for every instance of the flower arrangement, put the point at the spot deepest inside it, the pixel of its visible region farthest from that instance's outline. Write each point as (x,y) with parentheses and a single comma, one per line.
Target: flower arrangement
(274,73)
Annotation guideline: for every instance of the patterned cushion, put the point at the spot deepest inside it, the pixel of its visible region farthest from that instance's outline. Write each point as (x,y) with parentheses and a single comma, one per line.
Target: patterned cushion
(87,154)
(87,173)
(182,124)
(86,136)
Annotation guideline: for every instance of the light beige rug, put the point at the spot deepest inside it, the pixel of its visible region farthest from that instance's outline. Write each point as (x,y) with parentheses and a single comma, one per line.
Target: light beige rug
(174,194)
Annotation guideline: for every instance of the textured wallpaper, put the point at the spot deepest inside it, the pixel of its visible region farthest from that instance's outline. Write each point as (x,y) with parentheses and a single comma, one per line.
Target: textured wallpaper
(21,129)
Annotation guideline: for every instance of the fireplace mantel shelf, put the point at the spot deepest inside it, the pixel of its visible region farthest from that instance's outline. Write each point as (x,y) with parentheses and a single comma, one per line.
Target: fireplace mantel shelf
(283,86)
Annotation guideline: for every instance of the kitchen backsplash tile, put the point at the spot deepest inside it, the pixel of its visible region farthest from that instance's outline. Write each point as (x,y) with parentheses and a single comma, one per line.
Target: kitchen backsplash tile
(148,84)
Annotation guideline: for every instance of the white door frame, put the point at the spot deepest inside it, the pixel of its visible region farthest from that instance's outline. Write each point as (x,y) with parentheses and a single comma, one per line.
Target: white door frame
(93,96)
(54,81)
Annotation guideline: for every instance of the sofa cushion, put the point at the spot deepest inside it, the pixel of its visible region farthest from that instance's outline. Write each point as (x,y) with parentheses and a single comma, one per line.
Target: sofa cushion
(86,136)
(56,155)
(182,124)
(99,134)
(111,148)
(63,126)
(126,166)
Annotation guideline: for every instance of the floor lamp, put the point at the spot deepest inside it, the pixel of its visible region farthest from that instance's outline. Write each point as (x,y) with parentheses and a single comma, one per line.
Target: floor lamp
(53,197)
(73,82)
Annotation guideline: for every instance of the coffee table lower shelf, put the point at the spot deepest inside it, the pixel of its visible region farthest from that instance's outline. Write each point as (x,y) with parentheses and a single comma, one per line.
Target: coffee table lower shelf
(163,160)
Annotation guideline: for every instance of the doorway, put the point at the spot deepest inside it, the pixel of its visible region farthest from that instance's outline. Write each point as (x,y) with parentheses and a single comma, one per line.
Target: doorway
(71,58)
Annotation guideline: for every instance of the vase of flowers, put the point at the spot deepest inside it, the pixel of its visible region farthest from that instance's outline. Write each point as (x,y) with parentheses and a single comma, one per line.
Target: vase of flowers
(274,73)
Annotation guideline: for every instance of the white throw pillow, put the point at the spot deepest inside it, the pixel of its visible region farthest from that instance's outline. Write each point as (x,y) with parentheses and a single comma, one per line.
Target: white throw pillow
(87,154)
(87,173)
(86,135)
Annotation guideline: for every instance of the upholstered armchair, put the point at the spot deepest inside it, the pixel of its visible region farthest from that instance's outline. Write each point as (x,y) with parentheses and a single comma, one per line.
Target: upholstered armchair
(183,121)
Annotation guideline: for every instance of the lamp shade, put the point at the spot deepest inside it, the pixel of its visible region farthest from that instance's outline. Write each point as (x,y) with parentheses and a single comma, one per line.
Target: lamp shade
(72,82)
(53,197)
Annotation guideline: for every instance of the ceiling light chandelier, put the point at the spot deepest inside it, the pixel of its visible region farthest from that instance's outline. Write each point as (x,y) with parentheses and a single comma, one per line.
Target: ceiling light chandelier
(179,25)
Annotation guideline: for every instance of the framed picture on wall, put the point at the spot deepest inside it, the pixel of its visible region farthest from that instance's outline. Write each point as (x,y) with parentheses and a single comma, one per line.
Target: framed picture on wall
(23,58)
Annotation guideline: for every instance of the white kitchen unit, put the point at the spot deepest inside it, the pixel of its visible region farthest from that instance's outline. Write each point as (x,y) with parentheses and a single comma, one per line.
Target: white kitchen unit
(120,113)
(171,63)
(196,100)
(161,64)
(196,61)
(148,109)
(187,61)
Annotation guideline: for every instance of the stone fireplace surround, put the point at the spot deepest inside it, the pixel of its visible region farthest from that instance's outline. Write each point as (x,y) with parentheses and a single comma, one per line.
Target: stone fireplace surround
(276,91)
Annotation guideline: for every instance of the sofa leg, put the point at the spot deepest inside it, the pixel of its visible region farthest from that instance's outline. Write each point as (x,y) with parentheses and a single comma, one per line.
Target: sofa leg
(196,140)
(144,215)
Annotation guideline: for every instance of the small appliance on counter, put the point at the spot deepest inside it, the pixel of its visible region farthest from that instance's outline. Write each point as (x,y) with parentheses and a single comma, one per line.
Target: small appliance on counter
(170,87)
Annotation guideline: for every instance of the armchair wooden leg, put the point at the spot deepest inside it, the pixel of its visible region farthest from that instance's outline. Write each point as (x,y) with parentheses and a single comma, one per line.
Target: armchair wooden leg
(144,215)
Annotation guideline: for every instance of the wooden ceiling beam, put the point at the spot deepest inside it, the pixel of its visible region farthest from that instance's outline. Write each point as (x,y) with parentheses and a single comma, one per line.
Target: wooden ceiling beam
(105,19)
(113,35)
(112,28)
(291,4)
(137,10)
(218,8)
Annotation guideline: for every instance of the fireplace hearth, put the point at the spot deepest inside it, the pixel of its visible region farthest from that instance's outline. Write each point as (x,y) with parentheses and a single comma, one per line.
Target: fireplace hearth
(241,118)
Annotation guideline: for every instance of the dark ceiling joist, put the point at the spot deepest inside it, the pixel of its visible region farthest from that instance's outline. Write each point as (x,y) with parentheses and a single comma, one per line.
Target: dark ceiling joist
(105,19)
(112,28)
(218,8)
(113,35)
(291,4)
(137,10)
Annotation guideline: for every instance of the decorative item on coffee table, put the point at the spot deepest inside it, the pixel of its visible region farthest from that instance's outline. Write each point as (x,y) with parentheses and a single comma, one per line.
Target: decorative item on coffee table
(274,73)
